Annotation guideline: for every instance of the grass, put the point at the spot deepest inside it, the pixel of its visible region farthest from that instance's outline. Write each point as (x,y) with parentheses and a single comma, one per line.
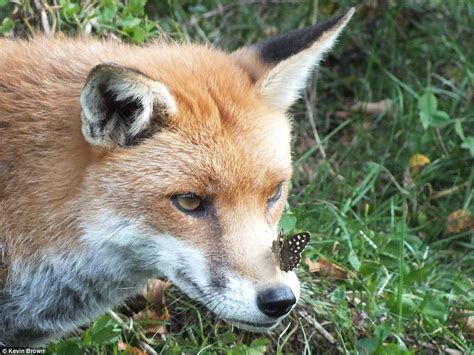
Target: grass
(406,281)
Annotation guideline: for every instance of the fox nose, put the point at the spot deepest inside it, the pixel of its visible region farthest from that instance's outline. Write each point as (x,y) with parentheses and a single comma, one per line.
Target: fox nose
(276,302)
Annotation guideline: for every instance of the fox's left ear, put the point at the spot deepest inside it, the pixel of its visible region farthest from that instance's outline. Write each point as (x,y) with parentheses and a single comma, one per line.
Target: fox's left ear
(280,66)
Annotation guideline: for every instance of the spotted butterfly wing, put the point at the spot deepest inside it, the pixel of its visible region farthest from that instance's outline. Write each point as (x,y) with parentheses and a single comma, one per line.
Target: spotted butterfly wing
(288,251)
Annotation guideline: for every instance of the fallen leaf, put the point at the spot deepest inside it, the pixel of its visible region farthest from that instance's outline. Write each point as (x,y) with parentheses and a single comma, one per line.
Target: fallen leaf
(152,323)
(459,221)
(153,310)
(369,108)
(326,268)
(465,319)
(129,350)
(154,292)
(418,161)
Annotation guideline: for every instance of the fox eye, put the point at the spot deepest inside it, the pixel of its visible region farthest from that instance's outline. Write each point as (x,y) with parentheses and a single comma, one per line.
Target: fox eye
(188,202)
(276,193)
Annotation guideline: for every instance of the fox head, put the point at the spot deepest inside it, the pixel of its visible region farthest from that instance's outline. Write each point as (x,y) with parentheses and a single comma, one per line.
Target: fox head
(193,162)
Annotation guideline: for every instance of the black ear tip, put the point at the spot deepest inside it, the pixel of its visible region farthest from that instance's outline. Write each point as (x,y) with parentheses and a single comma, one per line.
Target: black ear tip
(281,47)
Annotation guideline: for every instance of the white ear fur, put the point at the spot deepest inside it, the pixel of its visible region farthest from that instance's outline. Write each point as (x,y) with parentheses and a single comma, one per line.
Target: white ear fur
(282,85)
(118,104)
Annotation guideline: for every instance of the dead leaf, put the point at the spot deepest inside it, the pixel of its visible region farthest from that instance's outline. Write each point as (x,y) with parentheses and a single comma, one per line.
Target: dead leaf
(465,319)
(373,108)
(154,292)
(459,221)
(129,350)
(369,108)
(152,323)
(326,268)
(134,351)
(153,311)
(418,160)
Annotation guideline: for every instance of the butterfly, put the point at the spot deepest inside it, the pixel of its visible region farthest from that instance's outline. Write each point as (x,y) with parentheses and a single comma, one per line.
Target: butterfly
(288,251)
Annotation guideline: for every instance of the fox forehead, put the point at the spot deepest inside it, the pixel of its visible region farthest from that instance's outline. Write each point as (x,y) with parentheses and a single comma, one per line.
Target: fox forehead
(206,161)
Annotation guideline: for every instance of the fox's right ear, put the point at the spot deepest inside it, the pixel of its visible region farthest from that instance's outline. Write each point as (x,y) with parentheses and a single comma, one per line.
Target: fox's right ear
(281,65)
(121,106)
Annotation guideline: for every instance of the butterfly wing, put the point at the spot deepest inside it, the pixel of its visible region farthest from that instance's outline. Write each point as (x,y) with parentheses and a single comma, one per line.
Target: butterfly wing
(291,250)
(277,246)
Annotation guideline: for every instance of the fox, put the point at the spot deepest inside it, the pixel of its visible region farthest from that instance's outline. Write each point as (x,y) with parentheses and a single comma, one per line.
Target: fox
(122,163)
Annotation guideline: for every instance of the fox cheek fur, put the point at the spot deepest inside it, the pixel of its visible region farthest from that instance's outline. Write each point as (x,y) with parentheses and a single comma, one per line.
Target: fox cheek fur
(99,143)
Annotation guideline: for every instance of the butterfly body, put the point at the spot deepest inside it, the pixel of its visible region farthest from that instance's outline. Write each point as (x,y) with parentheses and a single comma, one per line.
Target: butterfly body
(288,251)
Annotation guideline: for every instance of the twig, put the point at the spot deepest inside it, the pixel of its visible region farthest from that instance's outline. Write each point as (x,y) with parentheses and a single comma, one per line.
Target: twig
(317,326)
(119,320)
(385,282)
(51,10)
(147,348)
(448,191)
(28,25)
(309,109)
(441,142)
(44,18)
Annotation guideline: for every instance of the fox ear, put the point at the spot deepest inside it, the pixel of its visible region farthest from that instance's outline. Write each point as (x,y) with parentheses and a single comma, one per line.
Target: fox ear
(281,65)
(121,106)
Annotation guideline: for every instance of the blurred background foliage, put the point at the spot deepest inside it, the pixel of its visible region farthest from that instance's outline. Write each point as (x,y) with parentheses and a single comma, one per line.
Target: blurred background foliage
(384,169)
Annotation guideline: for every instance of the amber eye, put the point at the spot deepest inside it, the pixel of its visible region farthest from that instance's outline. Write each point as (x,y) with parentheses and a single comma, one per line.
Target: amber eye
(188,202)
(276,193)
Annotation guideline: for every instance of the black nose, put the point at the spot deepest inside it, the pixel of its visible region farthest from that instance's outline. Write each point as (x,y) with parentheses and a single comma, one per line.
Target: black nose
(276,302)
